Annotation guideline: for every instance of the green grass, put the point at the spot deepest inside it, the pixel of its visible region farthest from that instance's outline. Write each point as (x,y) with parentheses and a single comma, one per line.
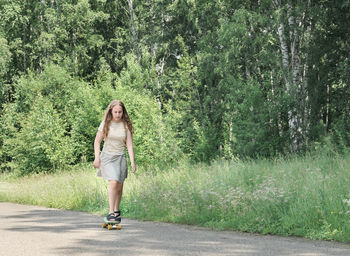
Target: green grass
(73,190)
(306,196)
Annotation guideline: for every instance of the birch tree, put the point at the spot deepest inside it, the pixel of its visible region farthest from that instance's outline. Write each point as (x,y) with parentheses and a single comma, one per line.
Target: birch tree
(133,29)
(293,28)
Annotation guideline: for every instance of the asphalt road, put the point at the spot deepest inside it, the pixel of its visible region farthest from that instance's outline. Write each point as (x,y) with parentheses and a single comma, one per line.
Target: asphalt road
(31,230)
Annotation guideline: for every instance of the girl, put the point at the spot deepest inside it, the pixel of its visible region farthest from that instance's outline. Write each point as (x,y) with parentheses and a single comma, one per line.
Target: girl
(116,130)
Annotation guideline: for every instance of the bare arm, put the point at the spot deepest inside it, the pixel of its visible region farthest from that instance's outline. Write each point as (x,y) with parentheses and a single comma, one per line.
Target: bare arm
(97,144)
(129,145)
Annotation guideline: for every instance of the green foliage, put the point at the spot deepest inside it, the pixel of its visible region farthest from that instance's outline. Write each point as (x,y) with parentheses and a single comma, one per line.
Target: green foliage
(242,106)
(341,132)
(5,56)
(54,120)
(203,80)
(41,144)
(83,113)
(305,196)
(153,142)
(78,189)
(302,196)
(34,126)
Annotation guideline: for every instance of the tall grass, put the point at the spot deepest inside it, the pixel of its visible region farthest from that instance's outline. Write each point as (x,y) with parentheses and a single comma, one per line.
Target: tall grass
(307,196)
(72,190)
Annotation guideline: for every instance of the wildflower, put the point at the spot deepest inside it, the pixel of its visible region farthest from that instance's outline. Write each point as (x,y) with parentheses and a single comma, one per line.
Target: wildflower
(347,201)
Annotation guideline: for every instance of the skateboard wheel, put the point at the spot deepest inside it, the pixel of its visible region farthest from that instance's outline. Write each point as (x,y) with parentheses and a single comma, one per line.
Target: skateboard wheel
(119,226)
(104,225)
(110,227)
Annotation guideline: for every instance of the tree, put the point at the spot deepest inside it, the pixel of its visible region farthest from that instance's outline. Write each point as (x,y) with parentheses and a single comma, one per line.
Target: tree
(5,56)
(329,72)
(294,28)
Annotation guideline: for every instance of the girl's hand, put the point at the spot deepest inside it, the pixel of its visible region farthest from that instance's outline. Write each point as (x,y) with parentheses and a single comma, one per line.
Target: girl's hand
(97,163)
(133,167)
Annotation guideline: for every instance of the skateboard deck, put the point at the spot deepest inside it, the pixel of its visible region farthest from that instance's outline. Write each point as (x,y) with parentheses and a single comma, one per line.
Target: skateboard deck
(111,224)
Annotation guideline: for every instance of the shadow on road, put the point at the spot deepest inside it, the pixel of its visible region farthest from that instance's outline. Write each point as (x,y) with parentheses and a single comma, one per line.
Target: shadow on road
(81,233)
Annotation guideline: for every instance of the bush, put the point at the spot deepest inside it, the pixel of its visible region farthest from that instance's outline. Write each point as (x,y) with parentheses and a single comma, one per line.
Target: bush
(154,143)
(54,119)
(41,144)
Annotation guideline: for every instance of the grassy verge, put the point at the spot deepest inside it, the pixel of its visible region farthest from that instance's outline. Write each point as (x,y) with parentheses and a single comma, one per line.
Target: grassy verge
(73,190)
(307,196)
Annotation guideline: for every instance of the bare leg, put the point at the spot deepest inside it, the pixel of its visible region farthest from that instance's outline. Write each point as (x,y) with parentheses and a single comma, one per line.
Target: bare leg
(119,193)
(112,195)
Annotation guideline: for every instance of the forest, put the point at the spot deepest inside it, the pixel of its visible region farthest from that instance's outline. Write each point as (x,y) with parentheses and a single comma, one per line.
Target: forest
(202,80)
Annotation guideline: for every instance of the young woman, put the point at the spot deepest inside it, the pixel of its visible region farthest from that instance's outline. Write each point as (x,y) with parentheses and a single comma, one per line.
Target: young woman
(116,130)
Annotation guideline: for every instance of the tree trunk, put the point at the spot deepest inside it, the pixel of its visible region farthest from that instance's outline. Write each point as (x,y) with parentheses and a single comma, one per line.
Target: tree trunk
(307,109)
(24,48)
(75,55)
(292,117)
(292,63)
(160,70)
(42,3)
(133,29)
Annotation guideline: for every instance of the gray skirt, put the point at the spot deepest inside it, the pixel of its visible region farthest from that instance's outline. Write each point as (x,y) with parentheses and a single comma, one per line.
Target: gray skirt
(113,167)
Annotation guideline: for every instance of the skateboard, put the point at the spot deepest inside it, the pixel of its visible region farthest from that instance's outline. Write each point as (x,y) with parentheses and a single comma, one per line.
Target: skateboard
(110,224)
